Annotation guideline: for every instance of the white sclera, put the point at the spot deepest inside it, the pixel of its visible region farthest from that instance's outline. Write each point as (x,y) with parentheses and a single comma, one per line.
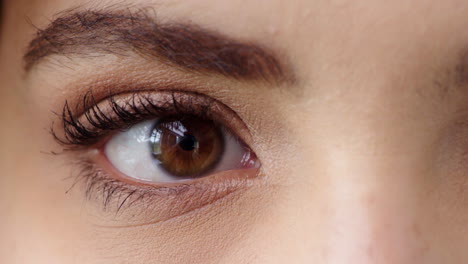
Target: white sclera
(130,153)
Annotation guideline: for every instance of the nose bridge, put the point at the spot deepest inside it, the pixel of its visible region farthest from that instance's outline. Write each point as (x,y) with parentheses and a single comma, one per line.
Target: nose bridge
(371,186)
(365,158)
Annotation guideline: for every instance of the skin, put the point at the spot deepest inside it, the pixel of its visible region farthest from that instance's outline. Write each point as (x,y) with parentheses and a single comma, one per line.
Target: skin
(363,157)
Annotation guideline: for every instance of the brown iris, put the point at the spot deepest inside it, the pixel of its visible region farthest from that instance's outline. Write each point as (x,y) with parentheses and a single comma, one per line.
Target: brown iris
(187,147)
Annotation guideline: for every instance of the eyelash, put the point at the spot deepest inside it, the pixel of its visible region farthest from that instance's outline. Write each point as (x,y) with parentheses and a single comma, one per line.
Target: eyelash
(139,108)
(99,119)
(99,184)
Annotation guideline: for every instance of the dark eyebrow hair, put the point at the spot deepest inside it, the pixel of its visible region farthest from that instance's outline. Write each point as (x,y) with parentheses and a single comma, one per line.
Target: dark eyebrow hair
(461,69)
(184,45)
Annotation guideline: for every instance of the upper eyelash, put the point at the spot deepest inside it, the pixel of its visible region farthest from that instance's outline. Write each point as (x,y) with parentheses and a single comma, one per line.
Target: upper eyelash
(140,107)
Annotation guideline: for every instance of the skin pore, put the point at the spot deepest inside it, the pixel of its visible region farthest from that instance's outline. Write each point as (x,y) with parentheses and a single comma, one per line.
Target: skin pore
(356,110)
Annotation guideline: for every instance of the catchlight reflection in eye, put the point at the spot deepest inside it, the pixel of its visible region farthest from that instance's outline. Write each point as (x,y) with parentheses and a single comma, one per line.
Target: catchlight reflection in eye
(170,150)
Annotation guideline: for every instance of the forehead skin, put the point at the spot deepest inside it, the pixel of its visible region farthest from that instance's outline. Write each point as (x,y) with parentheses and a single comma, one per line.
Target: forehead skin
(369,74)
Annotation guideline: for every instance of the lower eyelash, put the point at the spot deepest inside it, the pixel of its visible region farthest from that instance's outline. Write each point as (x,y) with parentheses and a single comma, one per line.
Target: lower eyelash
(96,184)
(161,202)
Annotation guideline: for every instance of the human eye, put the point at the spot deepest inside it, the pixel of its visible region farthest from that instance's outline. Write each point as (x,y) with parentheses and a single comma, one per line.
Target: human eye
(157,147)
(177,148)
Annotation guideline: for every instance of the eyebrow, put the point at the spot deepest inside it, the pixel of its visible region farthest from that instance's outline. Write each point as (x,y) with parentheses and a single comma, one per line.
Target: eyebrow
(461,70)
(187,46)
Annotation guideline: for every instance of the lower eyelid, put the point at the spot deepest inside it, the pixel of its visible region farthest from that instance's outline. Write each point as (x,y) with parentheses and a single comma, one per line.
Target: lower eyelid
(139,204)
(151,218)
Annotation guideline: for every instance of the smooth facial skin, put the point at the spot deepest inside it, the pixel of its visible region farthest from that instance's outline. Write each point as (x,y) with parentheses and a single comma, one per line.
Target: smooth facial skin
(361,130)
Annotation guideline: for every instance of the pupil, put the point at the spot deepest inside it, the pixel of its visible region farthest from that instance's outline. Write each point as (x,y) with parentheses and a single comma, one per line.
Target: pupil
(187,147)
(188,142)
